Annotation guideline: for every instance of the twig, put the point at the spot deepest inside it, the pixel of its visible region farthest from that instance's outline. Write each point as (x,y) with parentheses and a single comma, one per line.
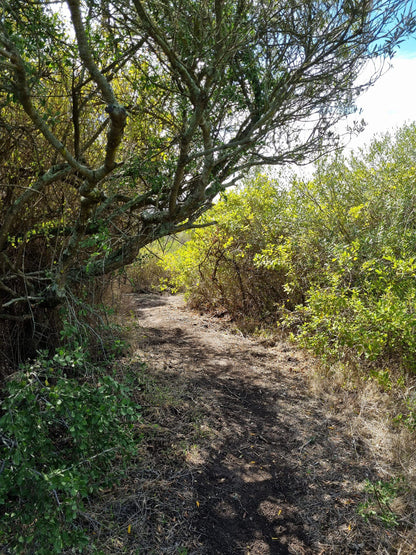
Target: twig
(21,299)
(311,440)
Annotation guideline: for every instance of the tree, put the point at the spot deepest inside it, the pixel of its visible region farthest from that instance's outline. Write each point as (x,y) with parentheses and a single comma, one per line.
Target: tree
(122,125)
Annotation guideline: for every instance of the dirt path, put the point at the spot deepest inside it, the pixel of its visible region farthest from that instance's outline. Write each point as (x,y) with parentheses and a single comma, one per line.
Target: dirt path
(273,469)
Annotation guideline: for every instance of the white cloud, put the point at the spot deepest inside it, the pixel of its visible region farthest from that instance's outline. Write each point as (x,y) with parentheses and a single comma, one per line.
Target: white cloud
(390,102)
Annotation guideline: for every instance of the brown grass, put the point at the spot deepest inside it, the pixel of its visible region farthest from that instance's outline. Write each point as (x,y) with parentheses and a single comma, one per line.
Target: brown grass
(376,414)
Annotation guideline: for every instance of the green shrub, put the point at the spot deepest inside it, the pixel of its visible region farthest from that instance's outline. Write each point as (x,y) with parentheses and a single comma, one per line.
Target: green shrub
(149,273)
(218,267)
(333,258)
(61,438)
(380,495)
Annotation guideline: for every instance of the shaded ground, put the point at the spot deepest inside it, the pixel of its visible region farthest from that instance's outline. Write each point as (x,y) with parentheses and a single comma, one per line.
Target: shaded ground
(247,460)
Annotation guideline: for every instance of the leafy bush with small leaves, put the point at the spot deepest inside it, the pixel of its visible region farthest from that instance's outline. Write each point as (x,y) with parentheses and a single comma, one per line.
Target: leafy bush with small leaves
(218,267)
(61,437)
(380,495)
(148,273)
(362,210)
(331,258)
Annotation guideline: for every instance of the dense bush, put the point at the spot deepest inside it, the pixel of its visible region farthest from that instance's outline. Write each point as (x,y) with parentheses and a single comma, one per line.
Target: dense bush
(218,267)
(333,258)
(147,274)
(63,438)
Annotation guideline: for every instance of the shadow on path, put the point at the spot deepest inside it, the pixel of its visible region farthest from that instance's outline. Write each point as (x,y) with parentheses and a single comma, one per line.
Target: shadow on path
(279,474)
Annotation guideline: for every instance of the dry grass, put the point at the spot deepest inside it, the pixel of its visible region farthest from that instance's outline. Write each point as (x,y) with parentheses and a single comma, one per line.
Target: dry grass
(150,509)
(153,510)
(375,405)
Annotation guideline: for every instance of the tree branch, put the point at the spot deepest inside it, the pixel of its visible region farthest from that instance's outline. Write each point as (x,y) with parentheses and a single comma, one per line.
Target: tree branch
(85,52)
(52,175)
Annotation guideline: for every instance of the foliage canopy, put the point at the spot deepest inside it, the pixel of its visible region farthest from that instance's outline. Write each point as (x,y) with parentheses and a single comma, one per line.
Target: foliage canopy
(122,125)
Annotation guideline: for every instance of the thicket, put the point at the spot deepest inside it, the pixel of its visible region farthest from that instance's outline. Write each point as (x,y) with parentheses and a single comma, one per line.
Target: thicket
(67,431)
(332,259)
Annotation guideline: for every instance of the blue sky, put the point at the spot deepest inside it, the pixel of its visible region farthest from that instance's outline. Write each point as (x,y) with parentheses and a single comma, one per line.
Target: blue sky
(392,100)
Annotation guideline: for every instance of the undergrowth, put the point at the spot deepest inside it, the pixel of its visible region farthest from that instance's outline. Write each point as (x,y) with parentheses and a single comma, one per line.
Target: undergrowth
(380,495)
(68,429)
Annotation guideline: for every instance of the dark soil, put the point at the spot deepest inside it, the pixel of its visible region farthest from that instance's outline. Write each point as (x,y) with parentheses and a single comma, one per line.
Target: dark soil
(245,458)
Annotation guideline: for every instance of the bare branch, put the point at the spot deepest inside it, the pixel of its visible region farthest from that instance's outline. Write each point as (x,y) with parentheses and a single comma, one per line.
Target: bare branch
(85,52)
